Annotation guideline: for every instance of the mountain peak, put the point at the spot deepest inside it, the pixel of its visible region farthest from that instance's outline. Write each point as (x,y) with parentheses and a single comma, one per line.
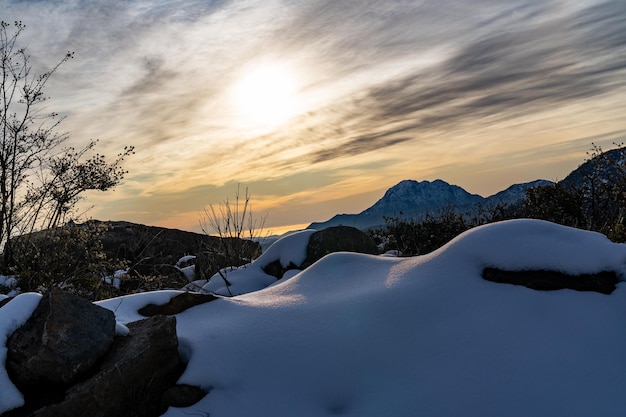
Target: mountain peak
(414,199)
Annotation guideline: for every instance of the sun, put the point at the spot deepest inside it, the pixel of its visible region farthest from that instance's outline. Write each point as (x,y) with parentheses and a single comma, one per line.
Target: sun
(265,96)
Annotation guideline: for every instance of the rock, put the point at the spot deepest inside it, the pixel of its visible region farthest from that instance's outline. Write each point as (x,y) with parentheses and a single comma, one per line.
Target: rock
(5,301)
(62,340)
(134,242)
(132,378)
(602,282)
(177,304)
(276,268)
(338,239)
(183,396)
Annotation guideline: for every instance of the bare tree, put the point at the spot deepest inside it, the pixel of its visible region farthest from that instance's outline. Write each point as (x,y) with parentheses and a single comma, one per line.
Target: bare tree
(238,231)
(235,225)
(65,179)
(40,179)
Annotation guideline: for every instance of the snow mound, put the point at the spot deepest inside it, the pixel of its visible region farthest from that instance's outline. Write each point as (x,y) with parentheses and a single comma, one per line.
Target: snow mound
(290,249)
(362,335)
(536,244)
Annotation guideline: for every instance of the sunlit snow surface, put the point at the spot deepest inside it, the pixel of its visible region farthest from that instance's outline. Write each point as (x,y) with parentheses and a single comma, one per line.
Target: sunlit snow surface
(360,335)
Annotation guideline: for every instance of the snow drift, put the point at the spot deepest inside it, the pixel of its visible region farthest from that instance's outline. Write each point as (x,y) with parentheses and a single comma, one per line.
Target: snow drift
(361,335)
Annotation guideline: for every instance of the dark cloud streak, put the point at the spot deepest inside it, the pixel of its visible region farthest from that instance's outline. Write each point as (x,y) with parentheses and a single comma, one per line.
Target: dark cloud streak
(516,71)
(356,146)
(536,65)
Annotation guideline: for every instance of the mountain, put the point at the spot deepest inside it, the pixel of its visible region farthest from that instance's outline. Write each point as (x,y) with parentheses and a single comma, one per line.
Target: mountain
(414,199)
(515,192)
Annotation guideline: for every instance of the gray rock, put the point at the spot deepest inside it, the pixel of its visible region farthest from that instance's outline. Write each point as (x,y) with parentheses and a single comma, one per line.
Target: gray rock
(183,396)
(544,280)
(5,301)
(177,304)
(338,239)
(61,341)
(132,378)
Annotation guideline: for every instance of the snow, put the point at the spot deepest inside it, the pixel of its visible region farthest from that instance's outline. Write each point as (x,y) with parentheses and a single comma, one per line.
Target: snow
(363,335)
(290,249)
(116,279)
(184,260)
(12,316)
(9,283)
(188,271)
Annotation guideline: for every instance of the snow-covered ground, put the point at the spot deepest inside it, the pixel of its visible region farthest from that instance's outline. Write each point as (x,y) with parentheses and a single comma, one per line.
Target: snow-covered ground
(360,335)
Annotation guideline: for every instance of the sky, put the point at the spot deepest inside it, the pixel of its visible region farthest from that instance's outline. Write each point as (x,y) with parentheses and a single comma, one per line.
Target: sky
(318,107)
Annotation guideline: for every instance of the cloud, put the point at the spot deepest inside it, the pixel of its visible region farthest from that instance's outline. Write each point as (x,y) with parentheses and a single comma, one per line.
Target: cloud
(357,146)
(513,61)
(507,74)
(500,75)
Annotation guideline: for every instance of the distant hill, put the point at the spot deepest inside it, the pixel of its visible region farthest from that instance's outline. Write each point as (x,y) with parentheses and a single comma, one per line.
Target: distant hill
(414,199)
(609,166)
(515,193)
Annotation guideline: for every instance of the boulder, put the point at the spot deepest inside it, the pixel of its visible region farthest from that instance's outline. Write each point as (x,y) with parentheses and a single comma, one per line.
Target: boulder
(61,341)
(338,239)
(603,282)
(276,268)
(133,377)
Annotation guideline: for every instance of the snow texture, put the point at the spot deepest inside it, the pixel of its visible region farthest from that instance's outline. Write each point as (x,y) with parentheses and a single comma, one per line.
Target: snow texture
(362,335)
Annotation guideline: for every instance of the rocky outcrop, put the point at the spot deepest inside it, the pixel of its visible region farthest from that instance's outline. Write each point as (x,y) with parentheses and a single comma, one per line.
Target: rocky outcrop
(64,338)
(146,246)
(602,282)
(137,242)
(131,375)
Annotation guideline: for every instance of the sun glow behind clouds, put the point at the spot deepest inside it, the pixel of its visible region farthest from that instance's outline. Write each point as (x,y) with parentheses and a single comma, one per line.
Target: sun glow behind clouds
(265,96)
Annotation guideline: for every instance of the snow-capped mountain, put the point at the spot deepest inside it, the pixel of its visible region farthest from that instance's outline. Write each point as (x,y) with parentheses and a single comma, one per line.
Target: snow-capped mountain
(414,199)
